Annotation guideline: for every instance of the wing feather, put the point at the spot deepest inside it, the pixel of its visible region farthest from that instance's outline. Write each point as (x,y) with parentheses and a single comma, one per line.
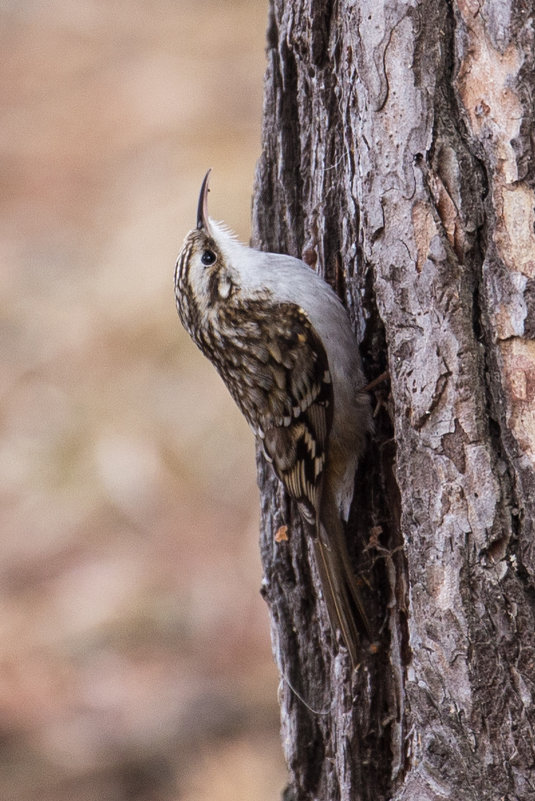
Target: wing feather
(282,384)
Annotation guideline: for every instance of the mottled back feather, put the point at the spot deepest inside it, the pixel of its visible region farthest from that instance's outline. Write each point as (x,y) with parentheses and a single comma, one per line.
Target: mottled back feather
(288,400)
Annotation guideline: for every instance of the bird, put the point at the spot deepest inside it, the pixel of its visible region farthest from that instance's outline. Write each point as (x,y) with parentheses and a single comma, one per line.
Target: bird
(281,339)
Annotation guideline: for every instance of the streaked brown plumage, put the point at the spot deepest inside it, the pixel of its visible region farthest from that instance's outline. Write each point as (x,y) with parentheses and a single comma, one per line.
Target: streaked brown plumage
(281,340)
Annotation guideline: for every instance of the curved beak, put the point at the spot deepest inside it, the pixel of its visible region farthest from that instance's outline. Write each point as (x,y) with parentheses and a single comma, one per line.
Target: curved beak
(202,208)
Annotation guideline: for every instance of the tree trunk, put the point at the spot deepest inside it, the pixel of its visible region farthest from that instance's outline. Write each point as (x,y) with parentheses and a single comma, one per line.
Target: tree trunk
(398,160)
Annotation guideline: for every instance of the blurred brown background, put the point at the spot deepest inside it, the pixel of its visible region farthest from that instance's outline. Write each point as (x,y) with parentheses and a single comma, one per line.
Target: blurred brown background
(135,659)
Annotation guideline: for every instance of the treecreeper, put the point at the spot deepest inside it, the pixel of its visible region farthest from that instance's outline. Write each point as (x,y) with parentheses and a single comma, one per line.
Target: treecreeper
(282,342)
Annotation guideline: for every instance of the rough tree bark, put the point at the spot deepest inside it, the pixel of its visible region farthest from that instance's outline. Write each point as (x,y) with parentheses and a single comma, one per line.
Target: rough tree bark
(398,157)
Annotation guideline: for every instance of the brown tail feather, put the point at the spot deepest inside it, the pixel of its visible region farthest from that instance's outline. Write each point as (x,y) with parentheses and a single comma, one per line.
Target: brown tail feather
(342,598)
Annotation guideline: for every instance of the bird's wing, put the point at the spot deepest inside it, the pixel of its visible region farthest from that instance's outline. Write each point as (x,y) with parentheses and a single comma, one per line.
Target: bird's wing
(295,425)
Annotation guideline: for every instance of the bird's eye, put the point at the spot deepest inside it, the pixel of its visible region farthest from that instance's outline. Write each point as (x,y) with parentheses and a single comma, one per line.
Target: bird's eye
(208,257)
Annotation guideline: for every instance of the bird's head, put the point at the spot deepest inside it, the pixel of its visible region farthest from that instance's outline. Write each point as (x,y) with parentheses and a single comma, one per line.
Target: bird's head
(205,274)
